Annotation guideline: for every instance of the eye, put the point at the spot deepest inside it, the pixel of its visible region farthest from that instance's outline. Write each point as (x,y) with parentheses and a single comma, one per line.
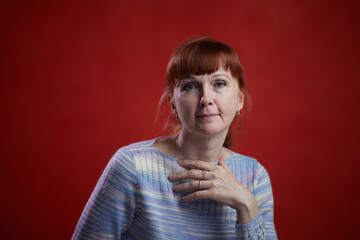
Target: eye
(220,84)
(188,87)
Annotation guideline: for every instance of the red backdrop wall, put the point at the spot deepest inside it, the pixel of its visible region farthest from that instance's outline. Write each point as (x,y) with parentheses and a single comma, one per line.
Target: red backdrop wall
(79,79)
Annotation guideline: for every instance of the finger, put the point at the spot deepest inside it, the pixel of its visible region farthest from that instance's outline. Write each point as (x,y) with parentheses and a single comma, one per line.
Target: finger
(192,185)
(190,174)
(197,164)
(202,194)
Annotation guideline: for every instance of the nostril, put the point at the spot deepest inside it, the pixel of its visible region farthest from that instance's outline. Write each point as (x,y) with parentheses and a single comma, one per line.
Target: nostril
(205,100)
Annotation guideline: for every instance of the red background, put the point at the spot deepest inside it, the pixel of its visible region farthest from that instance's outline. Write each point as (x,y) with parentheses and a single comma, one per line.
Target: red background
(79,79)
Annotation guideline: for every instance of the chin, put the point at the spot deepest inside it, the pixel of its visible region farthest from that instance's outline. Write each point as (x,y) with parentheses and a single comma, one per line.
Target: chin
(211,131)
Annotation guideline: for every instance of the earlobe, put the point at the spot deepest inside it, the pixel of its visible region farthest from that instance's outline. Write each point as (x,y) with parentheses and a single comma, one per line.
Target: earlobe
(173,109)
(175,113)
(172,105)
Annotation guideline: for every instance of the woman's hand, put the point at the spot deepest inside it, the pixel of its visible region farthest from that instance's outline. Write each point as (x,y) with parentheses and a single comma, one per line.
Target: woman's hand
(216,182)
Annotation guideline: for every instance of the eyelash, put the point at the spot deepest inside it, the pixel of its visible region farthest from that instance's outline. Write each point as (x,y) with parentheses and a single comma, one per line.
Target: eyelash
(186,86)
(190,86)
(223,84)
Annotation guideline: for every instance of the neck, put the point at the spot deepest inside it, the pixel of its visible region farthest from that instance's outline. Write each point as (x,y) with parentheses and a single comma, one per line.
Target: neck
(204,148)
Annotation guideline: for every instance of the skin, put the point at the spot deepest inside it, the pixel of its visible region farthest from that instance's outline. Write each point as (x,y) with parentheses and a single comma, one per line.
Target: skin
(206,105)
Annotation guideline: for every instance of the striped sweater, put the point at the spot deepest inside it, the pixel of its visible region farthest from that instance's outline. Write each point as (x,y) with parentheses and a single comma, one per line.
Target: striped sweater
(133,199)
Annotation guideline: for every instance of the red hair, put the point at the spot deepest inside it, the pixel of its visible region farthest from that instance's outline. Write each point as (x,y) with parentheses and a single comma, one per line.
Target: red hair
(198,57)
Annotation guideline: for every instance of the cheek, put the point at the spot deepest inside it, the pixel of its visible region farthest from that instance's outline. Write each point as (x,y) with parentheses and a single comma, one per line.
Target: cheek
(186,106)
(229,103)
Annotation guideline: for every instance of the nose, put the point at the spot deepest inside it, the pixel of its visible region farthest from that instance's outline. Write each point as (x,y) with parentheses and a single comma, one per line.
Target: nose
(206,98)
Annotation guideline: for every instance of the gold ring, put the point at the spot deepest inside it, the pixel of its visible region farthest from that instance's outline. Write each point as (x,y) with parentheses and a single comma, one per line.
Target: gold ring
(203,174)
(199,184)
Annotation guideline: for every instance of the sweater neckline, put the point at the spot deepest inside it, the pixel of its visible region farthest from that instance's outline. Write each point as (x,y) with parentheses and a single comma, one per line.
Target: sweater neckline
(175,159)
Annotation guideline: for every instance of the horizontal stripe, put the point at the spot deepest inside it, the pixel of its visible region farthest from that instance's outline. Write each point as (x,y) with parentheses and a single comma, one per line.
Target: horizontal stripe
(134,200)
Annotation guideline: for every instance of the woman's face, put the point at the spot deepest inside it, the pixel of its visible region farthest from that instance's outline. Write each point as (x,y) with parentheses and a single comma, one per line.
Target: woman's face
(207,104)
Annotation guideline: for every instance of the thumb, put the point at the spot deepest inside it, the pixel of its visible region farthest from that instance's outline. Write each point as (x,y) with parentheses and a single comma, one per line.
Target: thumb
(222,162)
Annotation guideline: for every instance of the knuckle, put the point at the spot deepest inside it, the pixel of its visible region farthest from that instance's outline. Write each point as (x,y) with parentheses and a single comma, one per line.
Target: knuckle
(197,164)
(191,172)
(215,176)
(213,191)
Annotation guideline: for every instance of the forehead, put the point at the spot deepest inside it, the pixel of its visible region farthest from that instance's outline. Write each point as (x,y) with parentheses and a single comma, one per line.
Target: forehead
(221,72)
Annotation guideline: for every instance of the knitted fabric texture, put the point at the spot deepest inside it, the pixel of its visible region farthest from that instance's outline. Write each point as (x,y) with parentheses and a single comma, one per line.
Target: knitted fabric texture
(134,200)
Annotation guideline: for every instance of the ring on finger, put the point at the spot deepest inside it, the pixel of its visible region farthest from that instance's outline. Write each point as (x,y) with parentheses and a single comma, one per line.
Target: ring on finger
(203,174)
(199,187)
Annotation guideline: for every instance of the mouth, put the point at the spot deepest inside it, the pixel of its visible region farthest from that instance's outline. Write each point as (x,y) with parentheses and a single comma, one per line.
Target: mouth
(204,116)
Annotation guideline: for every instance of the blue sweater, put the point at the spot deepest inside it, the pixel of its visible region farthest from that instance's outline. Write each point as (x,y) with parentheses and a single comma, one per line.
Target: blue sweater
(134,200)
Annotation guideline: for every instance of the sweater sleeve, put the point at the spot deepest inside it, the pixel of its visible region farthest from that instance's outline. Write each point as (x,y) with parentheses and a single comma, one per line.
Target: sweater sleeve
(110,210)
(262,226)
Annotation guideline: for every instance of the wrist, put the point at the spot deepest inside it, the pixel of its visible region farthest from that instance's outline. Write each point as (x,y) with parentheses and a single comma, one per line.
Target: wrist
(247,211)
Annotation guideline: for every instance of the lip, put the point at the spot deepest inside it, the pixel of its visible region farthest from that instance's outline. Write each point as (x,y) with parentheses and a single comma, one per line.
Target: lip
(209,115)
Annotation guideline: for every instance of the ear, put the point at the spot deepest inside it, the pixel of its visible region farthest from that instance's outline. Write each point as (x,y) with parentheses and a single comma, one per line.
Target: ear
(174,111)
(241,97)
(171,100)
(172,105)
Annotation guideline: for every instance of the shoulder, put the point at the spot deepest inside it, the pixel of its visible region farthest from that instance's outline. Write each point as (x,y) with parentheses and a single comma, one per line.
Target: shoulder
(136,147)
(246,167)
(130,153)
(142,145)
(237,158)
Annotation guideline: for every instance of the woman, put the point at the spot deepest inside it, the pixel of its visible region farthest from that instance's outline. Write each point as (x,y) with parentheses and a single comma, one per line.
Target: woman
(187,185)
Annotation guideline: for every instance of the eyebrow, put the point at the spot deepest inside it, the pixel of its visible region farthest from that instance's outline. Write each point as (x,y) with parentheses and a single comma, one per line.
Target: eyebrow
(221,75)
(191,77)
(186,77)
